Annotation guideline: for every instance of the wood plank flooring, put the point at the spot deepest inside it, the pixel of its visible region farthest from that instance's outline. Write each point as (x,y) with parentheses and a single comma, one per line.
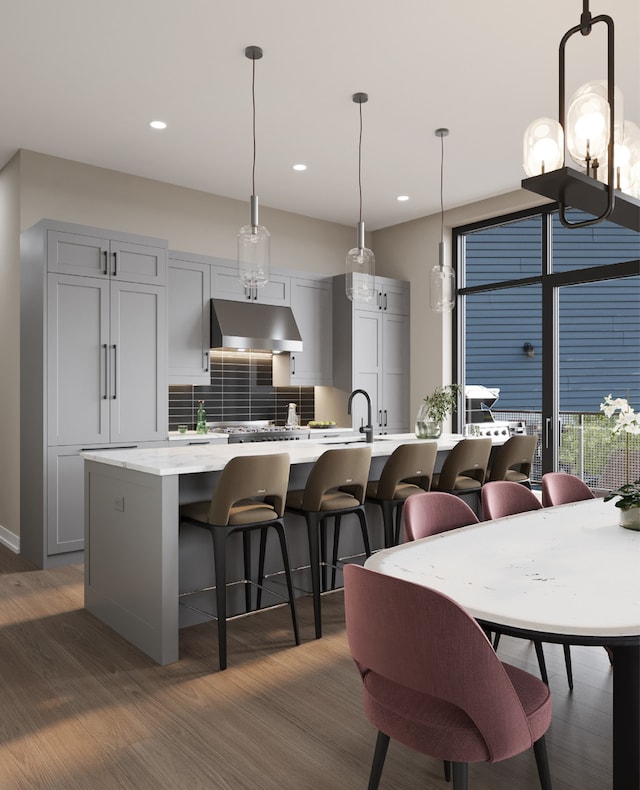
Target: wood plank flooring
(80,709)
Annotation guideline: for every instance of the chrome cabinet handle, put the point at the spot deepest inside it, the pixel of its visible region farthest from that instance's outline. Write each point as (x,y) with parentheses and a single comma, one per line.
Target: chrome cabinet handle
(385,301)
(385,418)
(106,367)
(293,366)
(206,361)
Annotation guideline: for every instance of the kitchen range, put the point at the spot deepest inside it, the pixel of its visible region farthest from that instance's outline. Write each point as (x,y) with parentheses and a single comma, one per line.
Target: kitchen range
(257,431)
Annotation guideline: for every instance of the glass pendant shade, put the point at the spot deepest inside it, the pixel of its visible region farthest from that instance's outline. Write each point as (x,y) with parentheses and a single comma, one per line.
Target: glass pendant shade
(588,122)
(442,284)
(626,160)
(543,147)
(360,271)
(254,251)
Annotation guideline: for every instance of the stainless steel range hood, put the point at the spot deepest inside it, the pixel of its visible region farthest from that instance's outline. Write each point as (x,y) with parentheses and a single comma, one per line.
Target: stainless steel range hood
(251,326)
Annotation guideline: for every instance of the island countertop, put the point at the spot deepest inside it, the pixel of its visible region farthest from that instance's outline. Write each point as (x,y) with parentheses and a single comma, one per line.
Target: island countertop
(213,458)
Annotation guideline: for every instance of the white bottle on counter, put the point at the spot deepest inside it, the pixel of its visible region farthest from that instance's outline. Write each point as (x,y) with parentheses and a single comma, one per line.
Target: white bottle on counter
(292,417)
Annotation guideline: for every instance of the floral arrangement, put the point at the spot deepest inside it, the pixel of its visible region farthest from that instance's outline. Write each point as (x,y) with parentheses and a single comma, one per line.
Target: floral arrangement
(442,402)
(628,422)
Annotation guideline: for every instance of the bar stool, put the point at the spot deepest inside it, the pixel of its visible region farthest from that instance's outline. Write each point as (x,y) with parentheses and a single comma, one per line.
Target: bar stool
(335,487)
(513,461)
(407,471)
(250,495)
(465,468)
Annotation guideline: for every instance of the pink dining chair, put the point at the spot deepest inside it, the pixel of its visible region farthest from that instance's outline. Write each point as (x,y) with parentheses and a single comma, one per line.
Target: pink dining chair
(504,498)
(435,511)
(560,488)
(431,680)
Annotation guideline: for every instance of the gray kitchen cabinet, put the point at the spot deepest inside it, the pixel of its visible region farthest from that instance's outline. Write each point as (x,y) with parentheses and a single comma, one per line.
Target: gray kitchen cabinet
(189,291)
(85,254)
(371,352)
(225,284)
(92,373)
(312,307)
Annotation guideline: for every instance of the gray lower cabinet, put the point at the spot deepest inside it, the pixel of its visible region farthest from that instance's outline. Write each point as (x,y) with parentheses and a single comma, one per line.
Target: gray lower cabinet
(93,369)
(371,352)
(189,292)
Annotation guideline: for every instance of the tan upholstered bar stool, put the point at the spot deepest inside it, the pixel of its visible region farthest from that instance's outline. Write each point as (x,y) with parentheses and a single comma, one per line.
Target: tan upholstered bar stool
(513,461)
(335,487)
(465,468)
(250,495)
(407,471)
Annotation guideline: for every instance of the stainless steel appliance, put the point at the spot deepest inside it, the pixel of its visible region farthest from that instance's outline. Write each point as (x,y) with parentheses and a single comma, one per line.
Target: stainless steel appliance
(479,401)
(257,431)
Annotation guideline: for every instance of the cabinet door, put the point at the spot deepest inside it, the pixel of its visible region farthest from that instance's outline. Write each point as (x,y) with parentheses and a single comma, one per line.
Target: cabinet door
(367,366)
(394,296)
(188,302)
(138,389)
(311,303)
(138,263)
(226,285)
(395,377)
(73,253)
(77,360)
(65,497)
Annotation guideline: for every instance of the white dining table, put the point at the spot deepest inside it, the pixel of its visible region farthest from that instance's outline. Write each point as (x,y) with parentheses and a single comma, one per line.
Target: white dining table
(567,574)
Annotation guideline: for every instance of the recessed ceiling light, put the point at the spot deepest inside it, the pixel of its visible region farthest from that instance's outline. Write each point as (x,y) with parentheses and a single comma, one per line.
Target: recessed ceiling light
(158,125)
(300,167)
(402,198)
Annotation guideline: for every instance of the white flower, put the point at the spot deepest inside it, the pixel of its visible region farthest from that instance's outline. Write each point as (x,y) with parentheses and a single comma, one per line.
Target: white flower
(627,419)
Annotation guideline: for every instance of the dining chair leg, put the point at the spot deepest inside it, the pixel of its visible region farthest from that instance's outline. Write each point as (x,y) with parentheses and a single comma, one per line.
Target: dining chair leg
(313,532)
(460,776)
(287,572)
(541,662)
(567,663)
(542,761)
(382,744)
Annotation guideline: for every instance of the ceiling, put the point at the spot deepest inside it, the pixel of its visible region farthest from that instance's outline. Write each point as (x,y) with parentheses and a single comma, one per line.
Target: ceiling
(81,79)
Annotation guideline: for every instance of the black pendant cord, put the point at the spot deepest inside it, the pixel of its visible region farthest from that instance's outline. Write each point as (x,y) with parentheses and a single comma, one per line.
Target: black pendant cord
(360,163)
(441,188)
(253,107)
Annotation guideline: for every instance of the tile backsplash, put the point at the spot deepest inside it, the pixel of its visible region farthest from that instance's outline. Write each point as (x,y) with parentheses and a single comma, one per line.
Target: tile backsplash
(241,389)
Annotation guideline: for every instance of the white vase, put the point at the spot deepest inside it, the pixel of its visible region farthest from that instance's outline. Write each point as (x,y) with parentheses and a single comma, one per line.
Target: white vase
(630,519)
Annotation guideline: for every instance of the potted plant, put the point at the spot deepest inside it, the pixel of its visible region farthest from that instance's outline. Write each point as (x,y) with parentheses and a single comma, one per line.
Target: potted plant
(629,504)
(435,409)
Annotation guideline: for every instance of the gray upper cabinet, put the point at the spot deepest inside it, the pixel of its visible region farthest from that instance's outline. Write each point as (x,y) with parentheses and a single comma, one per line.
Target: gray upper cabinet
(312,306)
(189,291)
(92,368)
(225,284)
(94,256)
(371,352)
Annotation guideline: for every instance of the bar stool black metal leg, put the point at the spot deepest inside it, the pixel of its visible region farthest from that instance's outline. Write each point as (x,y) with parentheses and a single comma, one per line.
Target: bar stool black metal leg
(313,532)
(246,555)
(287,572)
(261,560)
(362,517)
(219,536)
(334,558)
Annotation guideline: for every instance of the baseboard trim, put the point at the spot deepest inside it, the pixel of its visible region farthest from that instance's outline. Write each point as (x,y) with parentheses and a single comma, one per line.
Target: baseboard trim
(10,540)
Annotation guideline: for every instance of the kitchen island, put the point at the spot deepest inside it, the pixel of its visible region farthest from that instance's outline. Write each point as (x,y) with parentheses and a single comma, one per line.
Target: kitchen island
(133,562)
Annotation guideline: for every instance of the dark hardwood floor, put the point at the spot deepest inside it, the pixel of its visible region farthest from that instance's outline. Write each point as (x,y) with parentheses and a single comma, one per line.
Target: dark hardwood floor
(81,709)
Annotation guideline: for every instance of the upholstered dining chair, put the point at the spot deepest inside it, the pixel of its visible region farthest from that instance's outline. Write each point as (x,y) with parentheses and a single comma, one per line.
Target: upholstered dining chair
(407,471)
(560,488)
(431,680)
(249,495)
(336,487)
(513,460)
(435,511)
(464,469)
(502,498)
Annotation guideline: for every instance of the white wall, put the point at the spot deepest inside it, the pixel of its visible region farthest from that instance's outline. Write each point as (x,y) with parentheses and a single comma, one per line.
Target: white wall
(10,352)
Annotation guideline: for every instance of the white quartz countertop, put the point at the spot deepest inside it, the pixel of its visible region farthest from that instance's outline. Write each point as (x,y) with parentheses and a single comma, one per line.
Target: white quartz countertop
(213,458)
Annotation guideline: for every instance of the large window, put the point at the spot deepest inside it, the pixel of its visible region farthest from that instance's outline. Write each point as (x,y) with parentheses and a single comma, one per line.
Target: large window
(550,317)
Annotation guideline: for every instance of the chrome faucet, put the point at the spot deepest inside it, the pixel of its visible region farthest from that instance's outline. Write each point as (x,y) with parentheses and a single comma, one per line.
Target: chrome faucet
(367,430)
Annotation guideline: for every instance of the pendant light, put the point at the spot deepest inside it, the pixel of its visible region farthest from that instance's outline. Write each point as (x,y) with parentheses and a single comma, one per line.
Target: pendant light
(254,240)
(443,278)
(360,263)
(603,145)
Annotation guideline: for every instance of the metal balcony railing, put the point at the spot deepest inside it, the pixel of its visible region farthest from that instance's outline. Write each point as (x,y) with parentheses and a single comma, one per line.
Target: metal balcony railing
(588,448)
